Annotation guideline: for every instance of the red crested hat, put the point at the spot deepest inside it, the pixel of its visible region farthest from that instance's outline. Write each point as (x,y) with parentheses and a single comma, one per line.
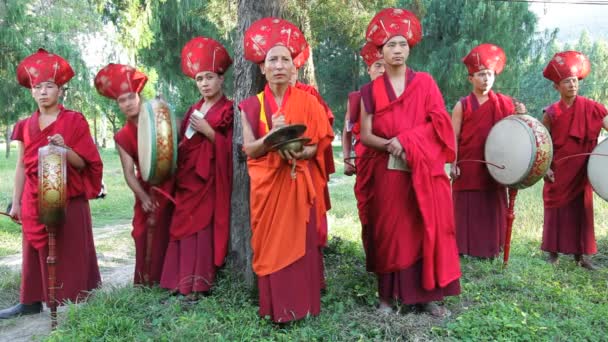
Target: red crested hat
(370,53)
(117,79)
(567,64)
(301,59)
(43,66)
(204,54)
(391,22)
(266,33)
(485,56)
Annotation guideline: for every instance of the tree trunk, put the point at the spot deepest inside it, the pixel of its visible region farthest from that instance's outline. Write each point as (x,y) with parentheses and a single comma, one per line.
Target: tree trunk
(307,74)
(248,81)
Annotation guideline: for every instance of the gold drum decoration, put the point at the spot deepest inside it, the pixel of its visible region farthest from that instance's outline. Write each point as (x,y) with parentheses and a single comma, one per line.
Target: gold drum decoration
(521,149)
(156,141)
(52,185)
(597,169)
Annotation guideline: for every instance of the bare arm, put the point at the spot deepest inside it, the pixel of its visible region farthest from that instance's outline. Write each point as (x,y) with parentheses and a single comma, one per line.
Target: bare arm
(347,144)
(19,183)
(253,148)
(367,137)
(128,170)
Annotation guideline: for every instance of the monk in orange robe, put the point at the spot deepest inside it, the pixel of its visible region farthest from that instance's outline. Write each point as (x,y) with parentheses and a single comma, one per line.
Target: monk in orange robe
(284,204)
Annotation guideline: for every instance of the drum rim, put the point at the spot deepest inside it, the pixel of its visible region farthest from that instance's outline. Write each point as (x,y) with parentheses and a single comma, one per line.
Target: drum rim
(605,141)
(152,119)
(519,120)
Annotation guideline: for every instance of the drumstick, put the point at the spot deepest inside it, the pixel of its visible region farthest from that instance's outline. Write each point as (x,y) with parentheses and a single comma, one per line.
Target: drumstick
(580,155)
(12,218)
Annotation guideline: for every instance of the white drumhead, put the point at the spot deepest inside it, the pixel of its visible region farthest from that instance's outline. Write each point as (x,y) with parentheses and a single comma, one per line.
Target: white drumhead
(597,170)
(145,144)
(510,143)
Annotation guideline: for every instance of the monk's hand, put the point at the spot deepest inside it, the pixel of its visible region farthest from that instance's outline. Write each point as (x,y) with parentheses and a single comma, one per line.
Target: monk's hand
(15,212)
(284,154)
(148,204)
(454,171)
(550,176)
(393,146)
(349,168)
(520,108)
(200,125)
(57,140)
(278,120)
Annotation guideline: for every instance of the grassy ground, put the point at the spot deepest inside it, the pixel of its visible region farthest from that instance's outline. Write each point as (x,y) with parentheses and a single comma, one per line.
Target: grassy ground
(530,300)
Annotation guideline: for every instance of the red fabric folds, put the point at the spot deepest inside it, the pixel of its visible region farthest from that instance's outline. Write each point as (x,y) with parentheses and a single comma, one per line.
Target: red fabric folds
(86,182)
(426,230)
(204,179)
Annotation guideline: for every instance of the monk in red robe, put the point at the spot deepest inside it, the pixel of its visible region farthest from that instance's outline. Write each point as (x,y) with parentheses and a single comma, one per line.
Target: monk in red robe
(200,227)
(152,212)
(285,194)
(575,123)
(410,242)
(323,165)
(77,272)
(480,203)
(351,137)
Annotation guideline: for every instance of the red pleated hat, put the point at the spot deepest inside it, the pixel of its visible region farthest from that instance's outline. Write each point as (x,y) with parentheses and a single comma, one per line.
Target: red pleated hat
(485,56)
(266,33)
(391,22)
(567,64)
(370,53)
(115,80)
(204,54)
(43,66)
(301,59)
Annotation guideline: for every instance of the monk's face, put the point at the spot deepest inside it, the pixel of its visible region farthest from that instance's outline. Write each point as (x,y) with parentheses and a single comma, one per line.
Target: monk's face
(209,84)
(396,51)
(482,81)
(129,105)
(278,65)
(46,94)
(376,69)
(568,87)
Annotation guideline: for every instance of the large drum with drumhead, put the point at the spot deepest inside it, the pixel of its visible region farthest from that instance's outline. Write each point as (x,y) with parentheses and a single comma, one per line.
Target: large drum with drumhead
(156,141)
(518,151)
(52,185)
(597,169)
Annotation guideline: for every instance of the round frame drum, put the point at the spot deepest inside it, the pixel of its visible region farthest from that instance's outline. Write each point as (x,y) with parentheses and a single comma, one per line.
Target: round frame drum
(597,169)
(156,141)
(52,185)
(521,149)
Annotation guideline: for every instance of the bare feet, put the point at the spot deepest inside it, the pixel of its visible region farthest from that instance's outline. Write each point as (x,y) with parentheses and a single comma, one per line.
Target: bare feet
(553,258)
(584,263)
(385,308)
(434,310)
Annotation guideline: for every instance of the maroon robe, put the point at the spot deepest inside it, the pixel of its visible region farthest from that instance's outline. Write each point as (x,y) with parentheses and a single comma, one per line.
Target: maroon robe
(126,138)
(411,243)
(568,227)
(199,232)
(480,203)
(77,271)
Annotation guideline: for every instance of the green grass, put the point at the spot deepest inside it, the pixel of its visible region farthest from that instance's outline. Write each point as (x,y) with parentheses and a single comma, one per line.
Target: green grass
(530,300)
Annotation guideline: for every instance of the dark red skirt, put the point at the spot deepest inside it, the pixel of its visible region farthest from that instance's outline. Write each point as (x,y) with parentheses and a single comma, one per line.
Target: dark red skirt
(160,241)
(406,287)
(77,272)
(569,229)
(189,263)
(481,222)
(294,292)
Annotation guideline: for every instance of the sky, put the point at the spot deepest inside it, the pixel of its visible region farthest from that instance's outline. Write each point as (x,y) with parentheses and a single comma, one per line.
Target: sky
(572,19)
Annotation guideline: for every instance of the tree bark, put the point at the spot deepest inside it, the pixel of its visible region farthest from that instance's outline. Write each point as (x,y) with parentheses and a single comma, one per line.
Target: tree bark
(248,81)
(7,140)
(307,73)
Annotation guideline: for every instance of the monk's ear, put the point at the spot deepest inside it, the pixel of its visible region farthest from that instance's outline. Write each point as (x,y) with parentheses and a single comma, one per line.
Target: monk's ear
(556,86)
(262,69)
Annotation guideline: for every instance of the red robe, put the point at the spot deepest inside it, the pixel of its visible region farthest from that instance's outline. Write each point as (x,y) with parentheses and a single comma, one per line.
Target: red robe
(286,261)
(201,220)
(76,271)
(418,227)
(126,138)
(480,203)
(568,226)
